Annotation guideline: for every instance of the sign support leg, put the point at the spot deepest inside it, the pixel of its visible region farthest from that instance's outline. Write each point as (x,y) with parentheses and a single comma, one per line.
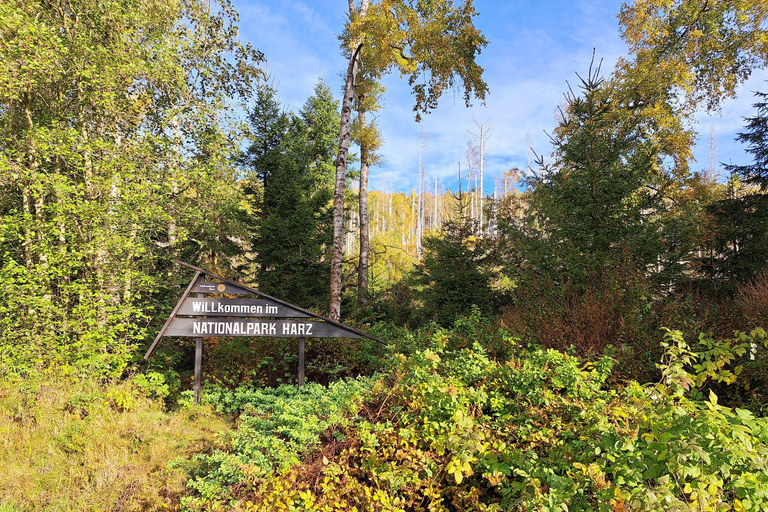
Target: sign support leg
(301,362)
(198,364)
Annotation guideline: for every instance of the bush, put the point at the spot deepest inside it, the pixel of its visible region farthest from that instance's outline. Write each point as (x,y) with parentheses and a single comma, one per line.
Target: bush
(453,429)
(52,322)
(615,309)
(276,429)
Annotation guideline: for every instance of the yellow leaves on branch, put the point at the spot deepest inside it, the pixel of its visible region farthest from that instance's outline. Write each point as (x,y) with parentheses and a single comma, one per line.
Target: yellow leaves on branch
(705,48)
(459,469)
(369,136)
(432,43)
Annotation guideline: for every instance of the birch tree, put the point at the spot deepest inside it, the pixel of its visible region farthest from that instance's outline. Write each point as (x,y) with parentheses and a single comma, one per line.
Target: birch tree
(112,128)
(433,44)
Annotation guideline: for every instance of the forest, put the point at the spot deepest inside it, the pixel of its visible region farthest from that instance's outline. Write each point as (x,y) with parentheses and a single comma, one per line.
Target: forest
(587,335)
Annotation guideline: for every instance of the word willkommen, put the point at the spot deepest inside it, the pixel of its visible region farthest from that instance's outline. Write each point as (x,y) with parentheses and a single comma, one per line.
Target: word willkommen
(222,307)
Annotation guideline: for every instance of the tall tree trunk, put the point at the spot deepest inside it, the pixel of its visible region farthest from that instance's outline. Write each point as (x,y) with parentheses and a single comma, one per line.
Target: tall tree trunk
(337,249)
(26,193)
(435,213)
(362,269)
(482,159)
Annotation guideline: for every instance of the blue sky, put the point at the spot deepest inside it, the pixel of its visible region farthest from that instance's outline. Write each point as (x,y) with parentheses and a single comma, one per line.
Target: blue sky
(535,47)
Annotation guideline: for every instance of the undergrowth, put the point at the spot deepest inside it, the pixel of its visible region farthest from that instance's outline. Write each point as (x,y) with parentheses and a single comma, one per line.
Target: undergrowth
(465,419)
(276,429)
(453,429)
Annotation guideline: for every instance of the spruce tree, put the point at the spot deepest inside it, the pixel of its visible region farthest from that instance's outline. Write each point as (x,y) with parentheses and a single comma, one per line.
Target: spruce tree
(453,274)
(756,138)
(600,198)
(290,190)
(741,220)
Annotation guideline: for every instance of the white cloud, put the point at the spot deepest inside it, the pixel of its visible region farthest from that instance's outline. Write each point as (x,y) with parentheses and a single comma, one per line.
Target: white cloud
(526,71)
(298,40)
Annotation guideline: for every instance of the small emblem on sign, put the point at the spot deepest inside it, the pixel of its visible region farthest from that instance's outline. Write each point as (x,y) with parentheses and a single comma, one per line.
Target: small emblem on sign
(221,287)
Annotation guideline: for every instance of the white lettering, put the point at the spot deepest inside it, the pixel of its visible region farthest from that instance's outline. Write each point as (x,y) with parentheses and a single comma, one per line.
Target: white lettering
(309,329)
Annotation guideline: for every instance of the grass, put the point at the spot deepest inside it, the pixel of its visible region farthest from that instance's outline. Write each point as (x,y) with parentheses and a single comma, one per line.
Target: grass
(87,446)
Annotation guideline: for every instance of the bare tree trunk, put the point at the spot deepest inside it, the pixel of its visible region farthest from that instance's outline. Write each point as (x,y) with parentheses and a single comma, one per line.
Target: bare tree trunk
(334,304)
(362,270)
(436,213)
(423,144)
(482,158)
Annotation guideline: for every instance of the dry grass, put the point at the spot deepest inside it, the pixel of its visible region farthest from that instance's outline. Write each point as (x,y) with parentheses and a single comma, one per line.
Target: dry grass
(605,312)
(82,446)
(752,300)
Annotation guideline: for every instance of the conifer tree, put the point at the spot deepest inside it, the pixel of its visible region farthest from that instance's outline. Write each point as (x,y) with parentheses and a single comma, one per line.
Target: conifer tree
(290,158)
(756,139)
(741,220)
(454,272)
(602,195)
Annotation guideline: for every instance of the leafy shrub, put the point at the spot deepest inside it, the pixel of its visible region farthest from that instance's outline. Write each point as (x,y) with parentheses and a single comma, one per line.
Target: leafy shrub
(266,362)
(693,311)
(613,309)
(752,300)
(456,430)
(153,384)
(52,322)
(397,304)
(276,429)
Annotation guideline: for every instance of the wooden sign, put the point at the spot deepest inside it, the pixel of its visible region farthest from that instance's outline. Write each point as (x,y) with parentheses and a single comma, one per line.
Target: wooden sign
(265,316)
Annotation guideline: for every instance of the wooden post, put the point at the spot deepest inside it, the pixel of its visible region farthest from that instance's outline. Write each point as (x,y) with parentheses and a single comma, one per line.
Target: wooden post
(301,362)
(198,364)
